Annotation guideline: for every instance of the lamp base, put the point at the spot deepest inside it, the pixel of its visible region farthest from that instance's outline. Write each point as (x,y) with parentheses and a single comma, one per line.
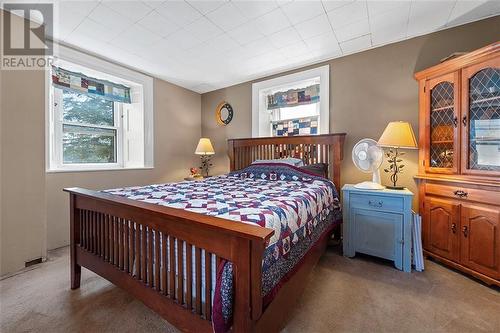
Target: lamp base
(390,187)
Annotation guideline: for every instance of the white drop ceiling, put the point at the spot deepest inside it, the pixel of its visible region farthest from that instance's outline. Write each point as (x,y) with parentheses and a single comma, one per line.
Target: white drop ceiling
(206,45)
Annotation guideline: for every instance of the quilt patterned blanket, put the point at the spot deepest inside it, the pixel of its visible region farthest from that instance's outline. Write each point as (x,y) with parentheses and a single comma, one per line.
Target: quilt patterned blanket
(299,206)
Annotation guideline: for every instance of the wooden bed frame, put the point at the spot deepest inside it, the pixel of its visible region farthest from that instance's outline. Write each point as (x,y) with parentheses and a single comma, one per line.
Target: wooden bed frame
(106,238)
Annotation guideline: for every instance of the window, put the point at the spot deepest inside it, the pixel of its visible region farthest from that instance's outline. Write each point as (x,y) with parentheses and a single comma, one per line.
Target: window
(97,120)
(295,104)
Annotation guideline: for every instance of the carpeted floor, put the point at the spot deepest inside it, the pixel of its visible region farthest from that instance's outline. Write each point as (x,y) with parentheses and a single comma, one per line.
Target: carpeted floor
(343,295)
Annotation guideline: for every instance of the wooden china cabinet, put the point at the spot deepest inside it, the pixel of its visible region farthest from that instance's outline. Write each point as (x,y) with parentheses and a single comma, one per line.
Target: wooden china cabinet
(459,162)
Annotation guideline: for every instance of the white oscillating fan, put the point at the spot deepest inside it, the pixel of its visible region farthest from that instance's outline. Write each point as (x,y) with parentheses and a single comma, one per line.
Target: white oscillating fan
(367,157)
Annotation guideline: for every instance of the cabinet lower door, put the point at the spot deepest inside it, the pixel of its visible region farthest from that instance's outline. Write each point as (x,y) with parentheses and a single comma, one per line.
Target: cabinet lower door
(379,234)
(480,239)
(441,228)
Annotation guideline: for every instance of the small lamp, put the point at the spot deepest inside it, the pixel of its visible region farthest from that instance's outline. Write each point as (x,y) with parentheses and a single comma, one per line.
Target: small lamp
(205,150)
(397,134)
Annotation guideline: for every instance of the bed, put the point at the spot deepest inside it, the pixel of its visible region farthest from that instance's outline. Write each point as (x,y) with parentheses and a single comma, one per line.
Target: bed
(220,266)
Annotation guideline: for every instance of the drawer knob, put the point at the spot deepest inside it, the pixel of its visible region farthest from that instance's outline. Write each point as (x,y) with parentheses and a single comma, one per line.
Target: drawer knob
(377,204)
(465,231)
(460,193)
(454,227)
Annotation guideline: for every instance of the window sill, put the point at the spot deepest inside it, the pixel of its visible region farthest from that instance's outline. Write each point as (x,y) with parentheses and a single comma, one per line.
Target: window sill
(96,169)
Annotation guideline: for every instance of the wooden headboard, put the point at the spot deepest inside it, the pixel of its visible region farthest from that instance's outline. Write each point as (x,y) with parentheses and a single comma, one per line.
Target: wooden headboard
(325,148)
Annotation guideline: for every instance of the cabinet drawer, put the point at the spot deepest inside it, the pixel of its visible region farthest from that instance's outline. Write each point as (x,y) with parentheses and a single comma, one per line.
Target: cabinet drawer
(464,193)
(377,202)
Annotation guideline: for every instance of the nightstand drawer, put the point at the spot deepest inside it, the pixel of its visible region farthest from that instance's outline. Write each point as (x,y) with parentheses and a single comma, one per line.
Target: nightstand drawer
(368,201)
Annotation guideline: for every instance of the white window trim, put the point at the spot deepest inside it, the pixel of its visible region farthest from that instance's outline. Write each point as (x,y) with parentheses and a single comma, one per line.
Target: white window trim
(324,95)
(100,65)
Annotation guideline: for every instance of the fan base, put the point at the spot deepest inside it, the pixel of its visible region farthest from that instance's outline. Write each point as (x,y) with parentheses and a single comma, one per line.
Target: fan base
(369,186)
(390,187)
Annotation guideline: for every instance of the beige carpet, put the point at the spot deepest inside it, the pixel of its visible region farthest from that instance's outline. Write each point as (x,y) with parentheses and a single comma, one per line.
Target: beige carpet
(343,295)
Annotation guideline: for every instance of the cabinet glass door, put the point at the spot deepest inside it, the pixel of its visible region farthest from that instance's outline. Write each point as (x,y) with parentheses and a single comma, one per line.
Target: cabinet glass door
(443,123)
(481,118)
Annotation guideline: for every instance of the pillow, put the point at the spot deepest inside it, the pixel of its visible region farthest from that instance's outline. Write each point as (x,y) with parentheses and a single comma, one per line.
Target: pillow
(289,160)
(319,169)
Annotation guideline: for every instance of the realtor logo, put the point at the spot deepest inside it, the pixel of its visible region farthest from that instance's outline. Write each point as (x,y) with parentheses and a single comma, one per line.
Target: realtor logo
(24,45)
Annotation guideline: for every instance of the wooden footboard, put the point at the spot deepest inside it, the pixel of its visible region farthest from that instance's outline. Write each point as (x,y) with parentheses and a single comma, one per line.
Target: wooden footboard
(109,234)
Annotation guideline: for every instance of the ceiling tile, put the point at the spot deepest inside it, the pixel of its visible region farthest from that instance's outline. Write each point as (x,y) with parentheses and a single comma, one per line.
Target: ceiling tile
(260,46)
(428,16)
(204,29)
(380,7)
(183,40)
(156,23)
(387,35)
(253,9)
(349,13)
(227,17)
(356,44)
(91,29)
(313,27)
(352,30)
(295,49)
(299,11)
(284,37)
(246,33)
(110,18)
(206,6)
(396,19)
(179,12)
(466,11)
(223,43)
(272,22)
(334,4)
(326,42)
(80,7)
(134,10)
(136,39)
(153,3)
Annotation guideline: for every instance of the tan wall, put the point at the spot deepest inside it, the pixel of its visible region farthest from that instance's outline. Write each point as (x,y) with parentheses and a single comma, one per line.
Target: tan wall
(34,210)
(367,90)
(23,170)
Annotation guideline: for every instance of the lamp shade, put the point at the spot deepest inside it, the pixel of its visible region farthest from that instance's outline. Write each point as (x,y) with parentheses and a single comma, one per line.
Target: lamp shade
(204,147)
(398,134)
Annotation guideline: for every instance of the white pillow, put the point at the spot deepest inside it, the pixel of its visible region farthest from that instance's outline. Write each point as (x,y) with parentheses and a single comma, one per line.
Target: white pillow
(289,160)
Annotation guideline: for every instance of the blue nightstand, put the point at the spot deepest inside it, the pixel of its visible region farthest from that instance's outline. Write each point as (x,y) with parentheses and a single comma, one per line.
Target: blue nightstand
(378,223)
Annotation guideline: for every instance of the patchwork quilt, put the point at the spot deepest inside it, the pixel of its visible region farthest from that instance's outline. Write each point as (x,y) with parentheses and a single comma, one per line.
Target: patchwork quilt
(299,206)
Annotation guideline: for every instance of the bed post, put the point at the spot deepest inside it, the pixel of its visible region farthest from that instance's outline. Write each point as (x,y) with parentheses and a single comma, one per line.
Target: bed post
(336,155)
(74,228)
(243,288)
(230,152)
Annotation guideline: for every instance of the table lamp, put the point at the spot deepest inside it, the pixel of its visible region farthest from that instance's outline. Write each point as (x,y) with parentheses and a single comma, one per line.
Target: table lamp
(397,134)
(205,150)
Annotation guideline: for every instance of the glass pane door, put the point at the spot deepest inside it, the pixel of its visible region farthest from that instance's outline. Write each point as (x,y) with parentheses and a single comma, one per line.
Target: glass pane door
(443,122)
(484,120)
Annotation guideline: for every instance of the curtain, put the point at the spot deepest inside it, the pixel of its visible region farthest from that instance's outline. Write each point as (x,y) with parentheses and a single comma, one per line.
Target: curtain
(293,97)
(80,83)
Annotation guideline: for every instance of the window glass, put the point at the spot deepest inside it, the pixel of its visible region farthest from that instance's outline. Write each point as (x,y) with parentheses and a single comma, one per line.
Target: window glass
(82,144)
(85,109)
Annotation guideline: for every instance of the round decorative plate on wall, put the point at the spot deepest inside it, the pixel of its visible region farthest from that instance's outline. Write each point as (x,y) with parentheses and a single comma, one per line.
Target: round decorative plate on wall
(224,113)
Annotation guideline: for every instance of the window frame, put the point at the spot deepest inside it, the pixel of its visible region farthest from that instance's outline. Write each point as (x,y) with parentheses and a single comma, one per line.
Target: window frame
(140,83)
(59,133)
(258,103)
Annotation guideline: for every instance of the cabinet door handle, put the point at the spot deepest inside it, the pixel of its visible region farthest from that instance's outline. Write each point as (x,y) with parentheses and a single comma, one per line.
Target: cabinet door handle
(460,193)
(464,120)
(455,121)
(376,204)
(454,228)
(465,231)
